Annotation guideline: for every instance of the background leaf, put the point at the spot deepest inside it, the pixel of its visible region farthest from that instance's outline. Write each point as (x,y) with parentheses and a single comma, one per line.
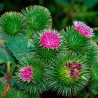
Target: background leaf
(64,2)
(5,55)
(90,3)
(18,47)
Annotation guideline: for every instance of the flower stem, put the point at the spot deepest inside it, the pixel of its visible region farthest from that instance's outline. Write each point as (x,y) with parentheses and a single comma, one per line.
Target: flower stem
(8,63)
(29,33)
(8,66)
(12,69)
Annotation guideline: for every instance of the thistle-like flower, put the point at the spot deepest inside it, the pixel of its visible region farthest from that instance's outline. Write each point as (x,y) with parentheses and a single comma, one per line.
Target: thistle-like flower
(83,29)
(50,40)
(12,23)
(26,74)
(74,68)
(68,76)
(32,78)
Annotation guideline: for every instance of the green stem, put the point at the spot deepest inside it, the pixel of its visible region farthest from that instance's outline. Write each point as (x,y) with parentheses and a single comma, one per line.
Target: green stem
(12,69)
(29,33)
(8,66)
(8,63)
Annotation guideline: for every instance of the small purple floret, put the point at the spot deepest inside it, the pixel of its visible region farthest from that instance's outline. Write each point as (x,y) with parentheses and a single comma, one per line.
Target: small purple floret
(74,68)
(83,29)
(26,74)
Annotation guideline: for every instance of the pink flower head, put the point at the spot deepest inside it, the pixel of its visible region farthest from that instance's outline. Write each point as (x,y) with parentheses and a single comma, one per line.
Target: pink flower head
(50,40)
(26,74)
(86,31)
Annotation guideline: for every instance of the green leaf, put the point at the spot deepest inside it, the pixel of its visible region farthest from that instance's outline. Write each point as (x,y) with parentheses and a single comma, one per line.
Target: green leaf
(91,3)
(18,47)
(63,2)
(37,17)
(31,44)
(5,55)
(4,36)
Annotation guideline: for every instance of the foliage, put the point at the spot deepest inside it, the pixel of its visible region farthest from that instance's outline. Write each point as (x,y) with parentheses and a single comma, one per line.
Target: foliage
(72,64)
(5,55)
(12,92)
(18,47)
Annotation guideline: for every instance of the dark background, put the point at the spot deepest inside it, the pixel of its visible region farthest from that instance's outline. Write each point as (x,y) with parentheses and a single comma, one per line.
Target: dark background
(63,13)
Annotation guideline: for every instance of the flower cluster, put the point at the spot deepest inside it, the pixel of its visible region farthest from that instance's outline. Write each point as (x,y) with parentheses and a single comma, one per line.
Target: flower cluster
(86,31)
(50,40)
(75,69)
(26,74)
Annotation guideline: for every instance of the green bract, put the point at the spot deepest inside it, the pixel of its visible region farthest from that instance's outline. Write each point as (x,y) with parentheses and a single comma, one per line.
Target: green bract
(12,22)
(74,41)
(59,75)
(92,54)
(94,78)
(39,77)
(37,17)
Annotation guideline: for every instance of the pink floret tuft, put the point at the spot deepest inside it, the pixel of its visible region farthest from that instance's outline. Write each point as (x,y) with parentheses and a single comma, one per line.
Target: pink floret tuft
(26,74)
(50,40)
(86,31)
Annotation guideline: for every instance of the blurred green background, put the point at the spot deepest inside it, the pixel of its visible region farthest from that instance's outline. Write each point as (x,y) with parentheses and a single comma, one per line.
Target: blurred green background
(63,12)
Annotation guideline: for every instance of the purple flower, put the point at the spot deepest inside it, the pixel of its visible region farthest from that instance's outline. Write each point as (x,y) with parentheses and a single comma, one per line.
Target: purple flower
(26,74)
(86,31)
(75,73)
(50,40)
(74,68)
(79,66)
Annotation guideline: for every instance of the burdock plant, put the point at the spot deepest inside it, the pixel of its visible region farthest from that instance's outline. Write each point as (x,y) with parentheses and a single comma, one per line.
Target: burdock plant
(68,74)
(31,76)
(43,58)
(47,45)
(12,23)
